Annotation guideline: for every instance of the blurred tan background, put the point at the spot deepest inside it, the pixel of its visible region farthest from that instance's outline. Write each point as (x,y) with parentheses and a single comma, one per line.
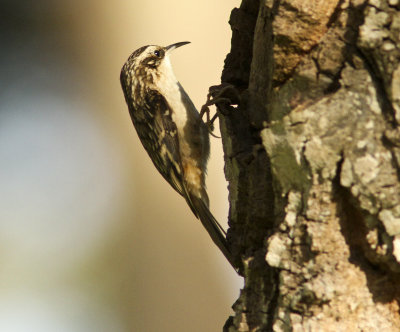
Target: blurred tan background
(91,237)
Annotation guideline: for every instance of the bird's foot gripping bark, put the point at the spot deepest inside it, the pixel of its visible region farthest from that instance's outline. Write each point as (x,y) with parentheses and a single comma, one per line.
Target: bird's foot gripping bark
(222,96)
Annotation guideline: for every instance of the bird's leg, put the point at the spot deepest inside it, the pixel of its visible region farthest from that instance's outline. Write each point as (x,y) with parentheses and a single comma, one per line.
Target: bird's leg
(223,94)
(209,122)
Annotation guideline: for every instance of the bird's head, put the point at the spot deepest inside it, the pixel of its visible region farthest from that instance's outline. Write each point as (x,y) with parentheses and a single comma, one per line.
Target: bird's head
(149,59)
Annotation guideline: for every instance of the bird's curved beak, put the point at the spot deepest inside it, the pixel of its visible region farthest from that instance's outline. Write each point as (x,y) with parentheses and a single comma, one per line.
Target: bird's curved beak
(171,47)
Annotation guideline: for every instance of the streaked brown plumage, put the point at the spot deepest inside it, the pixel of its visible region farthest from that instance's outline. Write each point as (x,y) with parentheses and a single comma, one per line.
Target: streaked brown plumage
(171,130)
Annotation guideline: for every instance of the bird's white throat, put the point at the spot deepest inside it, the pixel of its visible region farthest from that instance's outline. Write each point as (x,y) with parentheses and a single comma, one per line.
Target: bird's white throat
(169,87)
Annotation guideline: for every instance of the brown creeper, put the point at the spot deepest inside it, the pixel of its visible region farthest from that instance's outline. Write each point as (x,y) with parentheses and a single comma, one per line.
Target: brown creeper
(171,130)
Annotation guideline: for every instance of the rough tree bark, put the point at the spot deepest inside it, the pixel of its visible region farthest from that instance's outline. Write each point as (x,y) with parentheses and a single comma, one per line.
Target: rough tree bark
(312,153)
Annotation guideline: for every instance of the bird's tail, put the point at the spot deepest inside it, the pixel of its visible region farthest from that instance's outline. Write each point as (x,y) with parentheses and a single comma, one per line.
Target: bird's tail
(212,226)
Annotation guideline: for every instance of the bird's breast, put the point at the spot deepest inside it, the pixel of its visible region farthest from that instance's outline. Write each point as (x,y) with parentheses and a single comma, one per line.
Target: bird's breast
(172,91)
(177,106)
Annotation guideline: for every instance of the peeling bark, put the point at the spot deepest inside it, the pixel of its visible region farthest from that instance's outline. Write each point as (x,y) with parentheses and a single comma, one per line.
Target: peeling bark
(312,154)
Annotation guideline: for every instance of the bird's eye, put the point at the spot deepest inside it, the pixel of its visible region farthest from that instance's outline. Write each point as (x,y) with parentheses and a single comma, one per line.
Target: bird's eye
(157,53)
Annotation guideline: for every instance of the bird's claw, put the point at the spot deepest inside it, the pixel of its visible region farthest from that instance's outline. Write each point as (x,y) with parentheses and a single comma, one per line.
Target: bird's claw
(223,94)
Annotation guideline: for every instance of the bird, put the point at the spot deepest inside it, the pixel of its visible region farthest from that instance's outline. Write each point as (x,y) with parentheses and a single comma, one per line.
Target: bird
(171,130)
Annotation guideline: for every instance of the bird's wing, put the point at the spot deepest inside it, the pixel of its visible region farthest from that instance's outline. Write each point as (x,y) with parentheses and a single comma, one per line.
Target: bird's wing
(159,136)
(152,118)
(168,161)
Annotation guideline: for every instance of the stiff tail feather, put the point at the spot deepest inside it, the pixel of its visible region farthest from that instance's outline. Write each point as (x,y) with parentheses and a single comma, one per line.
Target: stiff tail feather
(212,226)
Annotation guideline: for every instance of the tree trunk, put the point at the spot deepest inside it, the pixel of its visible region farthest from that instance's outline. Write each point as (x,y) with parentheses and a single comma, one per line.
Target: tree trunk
(312,153)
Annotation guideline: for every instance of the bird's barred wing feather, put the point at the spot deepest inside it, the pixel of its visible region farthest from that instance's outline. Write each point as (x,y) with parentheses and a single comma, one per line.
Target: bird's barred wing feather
(171,168)
(167,160)
(159,136)
(158,133)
